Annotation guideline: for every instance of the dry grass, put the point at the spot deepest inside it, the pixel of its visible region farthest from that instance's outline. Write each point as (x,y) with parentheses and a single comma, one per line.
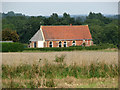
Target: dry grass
(81,58)
(78,57)
(68,82)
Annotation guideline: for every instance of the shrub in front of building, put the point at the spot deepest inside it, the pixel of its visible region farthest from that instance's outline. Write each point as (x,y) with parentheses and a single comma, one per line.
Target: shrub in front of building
(55,49)
(72,48)
(12,47)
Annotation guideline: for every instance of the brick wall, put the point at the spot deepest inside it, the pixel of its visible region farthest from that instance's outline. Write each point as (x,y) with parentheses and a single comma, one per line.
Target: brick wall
(37,44)
(32,44)
(69,43)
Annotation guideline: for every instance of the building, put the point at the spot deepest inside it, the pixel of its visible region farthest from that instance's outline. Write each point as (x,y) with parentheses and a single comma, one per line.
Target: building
(61,36)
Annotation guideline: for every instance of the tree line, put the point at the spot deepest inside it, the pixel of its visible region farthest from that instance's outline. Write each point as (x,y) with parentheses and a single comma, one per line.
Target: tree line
(103,29)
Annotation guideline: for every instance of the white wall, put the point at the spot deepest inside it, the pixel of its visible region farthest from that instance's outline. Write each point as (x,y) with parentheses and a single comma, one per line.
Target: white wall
(40,44)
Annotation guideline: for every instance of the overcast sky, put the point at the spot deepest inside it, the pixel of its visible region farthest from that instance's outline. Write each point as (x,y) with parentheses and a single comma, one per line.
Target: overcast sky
(60,0)
(47,8)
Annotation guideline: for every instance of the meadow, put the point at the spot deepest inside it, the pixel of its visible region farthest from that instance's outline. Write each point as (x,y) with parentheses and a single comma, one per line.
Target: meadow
(73,69)
(78,57)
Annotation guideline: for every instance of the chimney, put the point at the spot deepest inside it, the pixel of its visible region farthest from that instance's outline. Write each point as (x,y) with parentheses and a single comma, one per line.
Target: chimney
(70,24)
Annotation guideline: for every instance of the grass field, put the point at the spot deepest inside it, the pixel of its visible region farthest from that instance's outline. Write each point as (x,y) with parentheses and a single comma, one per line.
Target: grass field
(78,57)
(68,82)
(75,69)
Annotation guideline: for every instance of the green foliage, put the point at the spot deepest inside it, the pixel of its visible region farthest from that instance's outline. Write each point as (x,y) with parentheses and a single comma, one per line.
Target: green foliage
(103,29)
(10,26)
(110,34)
(59,59)
(12,47)
(96,32)
(9,35)
(99,16)
(51,71)
(54,49)
(72,48)
(50,83)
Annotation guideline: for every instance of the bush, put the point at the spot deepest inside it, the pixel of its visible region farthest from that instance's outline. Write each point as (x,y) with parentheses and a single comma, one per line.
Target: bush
(55,49)
(12,47)
(72,48)
(60,59)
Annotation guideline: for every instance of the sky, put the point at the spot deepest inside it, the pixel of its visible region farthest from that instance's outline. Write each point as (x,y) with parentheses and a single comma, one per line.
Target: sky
(47,8)
(60,0)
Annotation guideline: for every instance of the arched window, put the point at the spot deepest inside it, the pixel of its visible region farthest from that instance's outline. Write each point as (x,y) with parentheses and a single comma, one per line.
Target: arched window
(73,44)
(50,44)
(60,44)
(34,44)
(65,44)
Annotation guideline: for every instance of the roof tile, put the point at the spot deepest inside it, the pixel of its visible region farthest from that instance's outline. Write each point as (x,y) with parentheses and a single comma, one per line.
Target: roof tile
(66,32)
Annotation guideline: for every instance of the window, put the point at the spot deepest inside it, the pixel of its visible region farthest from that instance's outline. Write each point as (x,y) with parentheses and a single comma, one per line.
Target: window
(65,44)
(50,44)
(73,44)
(60,44)
(91,43)
(87,42)
(34,44)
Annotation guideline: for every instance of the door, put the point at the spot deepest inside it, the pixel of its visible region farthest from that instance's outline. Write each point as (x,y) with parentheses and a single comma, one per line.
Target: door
(34,44)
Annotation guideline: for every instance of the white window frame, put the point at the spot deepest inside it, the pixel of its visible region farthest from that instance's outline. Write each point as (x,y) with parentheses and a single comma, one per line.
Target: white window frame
(87,42)
(90,42)
(64,43)
(35,44)
(73,44)
(83,40)
(59,42)
(49,43)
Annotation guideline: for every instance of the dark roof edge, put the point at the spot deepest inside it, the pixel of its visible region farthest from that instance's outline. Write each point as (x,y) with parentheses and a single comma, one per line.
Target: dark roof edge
(65,39)
(66,25)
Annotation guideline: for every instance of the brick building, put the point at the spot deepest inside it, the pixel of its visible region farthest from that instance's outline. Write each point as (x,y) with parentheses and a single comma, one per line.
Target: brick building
(61,36)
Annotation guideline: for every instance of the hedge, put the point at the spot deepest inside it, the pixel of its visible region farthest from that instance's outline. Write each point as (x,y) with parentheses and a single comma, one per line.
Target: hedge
(18,47)
(98,47)
(54,49)
(12,47)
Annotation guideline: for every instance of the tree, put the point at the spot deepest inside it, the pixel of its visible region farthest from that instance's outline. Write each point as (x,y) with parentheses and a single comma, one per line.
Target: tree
(110,34)
(96,32)
(9,35)
(65,15)
(98,16)
(11,13)
(93,22)
(53,19)
(67,20)
(11,26)
(103,29)
(78,21)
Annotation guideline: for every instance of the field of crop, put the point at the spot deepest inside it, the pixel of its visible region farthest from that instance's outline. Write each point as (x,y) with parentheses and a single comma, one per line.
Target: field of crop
(78,57)
(75,69)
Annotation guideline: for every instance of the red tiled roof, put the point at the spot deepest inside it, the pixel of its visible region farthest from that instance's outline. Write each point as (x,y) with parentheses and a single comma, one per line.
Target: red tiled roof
(66,32)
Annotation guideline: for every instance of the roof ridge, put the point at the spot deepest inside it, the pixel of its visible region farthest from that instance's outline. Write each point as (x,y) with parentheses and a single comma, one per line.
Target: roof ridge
(64,25)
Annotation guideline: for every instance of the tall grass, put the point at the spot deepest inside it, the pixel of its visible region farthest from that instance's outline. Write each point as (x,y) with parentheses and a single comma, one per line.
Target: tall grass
(59,71)
(48,72)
